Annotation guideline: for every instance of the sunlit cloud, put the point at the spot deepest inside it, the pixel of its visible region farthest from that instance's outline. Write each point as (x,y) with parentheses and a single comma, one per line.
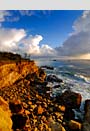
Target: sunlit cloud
(78,43)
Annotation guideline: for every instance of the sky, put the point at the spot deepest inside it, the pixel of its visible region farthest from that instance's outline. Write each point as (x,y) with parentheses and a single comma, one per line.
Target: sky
(46,33)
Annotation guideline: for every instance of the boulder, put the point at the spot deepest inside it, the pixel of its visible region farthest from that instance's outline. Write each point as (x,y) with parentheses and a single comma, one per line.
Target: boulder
(5,116)
(19,121)
(74,125)
(70,99)
(15,107)
(86,123)
(69,114)
(56,86)
(47,67)
(53,78)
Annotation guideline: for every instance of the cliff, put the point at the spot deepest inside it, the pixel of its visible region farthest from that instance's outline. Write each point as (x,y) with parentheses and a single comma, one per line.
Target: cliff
(12,72)
(5,116)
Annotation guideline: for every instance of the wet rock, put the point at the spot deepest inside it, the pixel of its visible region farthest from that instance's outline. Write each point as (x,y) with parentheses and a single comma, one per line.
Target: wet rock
(69,114)
(71,99)
(56,86)
(85,126)
(86,123)
(47,67)
(19,121)
(53,78)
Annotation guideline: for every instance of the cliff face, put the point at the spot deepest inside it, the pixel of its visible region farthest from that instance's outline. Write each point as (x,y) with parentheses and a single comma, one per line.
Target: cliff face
(5,116)
(12,72)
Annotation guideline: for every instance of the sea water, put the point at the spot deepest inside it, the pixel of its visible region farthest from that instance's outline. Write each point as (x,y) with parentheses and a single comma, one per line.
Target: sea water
(74,73)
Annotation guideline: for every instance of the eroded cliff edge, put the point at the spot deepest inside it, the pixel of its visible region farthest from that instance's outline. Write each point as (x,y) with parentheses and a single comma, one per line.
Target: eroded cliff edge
(28,110)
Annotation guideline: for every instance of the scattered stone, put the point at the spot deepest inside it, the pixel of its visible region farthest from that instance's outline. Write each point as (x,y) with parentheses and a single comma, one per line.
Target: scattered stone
(74,125)
(40,110)
(32,107)
(62,108)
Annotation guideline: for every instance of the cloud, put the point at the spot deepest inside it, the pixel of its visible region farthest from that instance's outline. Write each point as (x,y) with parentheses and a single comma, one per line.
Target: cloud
(78,42)
(7,16)
(31,45)
(17,41)
(15,15)
(47,50)
(37,13)
(3,14)
(27,12)
(9,39)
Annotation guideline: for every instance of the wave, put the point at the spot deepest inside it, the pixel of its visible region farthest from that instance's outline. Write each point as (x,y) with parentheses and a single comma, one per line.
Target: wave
(82,77)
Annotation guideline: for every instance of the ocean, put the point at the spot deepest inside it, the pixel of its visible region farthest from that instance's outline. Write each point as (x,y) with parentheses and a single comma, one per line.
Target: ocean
(74,73)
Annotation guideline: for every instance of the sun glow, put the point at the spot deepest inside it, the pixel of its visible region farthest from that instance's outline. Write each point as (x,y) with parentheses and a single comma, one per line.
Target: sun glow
(84,56)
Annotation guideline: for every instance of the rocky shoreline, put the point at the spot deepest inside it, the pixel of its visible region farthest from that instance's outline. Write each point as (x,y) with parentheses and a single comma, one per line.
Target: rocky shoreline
(32,108)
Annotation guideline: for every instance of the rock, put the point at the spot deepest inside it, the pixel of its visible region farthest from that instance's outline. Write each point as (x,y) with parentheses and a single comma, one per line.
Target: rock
(56,86)
(15,107)
(47,67)
(5,116)
(27,112)
(86,123)
(53,78)
(56,126)
(25,105)
(71,99)
(69,114)
(62,108)
(19,121)
(40,110)
(13,73)
(85,126)
(74,125)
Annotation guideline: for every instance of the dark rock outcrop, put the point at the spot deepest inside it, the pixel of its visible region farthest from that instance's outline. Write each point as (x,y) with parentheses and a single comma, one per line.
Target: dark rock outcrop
(15,107)
(70,99)
(19,121)
(53,78)
(47,67)
(86,123)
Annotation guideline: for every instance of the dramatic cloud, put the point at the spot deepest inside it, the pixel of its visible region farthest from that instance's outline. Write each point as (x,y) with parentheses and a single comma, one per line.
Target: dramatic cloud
(78,42)
(9,39)
(17,41)
(31,45)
